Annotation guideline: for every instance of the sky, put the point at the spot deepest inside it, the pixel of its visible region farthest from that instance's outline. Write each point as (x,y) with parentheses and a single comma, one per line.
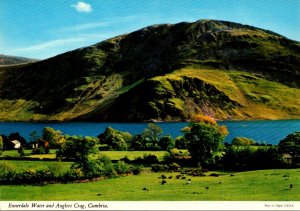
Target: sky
(44,28)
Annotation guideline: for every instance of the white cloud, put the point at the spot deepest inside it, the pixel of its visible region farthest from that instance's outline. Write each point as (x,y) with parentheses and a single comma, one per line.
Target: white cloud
(82,7)
(49,44)
(83,27)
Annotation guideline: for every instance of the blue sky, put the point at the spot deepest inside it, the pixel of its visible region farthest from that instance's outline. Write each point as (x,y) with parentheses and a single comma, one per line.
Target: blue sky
(44,28)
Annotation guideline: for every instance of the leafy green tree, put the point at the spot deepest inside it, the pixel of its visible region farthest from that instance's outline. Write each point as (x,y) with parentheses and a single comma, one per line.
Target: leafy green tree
(83,152)
(7,144)
(54,137)
(33,136)
(114,139)
(137,142)
(77,148)
(242,141)
(205,142)
(152,134)
(166,143)
(181,143)
(291,145)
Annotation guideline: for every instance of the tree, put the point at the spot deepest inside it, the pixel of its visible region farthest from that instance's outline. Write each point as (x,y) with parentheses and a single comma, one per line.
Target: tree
(181,143)
(7,144)
(166,143)
(137,142)
(291,145)
(242,141)
(81,151)
(152,134)
(54,137)
(205,142)
(114,139)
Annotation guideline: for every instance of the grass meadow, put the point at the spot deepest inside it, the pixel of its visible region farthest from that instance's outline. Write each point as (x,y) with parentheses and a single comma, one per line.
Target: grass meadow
(113,155)
(261,185)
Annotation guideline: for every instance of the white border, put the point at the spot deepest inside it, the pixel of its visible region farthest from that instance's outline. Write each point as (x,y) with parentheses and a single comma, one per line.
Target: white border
(149,205)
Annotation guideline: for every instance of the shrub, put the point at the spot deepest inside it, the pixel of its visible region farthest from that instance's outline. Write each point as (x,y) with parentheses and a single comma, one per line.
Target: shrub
(291,146)
(136,170)
(106,166)
(21,151)
(57,169)
(252,157)
(125,159)
(73,174)
(168,157)
(166,143)
(40,150)
(181,143)
(174,167)
(122,168)
(150,159)
(7,172)
(159,167)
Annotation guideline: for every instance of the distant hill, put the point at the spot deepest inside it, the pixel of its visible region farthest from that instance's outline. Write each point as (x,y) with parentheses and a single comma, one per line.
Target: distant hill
(13,60)
(165,72)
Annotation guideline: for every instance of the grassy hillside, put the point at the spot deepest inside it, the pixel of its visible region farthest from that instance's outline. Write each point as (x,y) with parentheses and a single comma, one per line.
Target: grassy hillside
(263,185)
(14,60)
(224,94)
(161,72)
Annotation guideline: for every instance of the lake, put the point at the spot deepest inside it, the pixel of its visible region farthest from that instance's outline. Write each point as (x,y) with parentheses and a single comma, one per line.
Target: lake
(263,131)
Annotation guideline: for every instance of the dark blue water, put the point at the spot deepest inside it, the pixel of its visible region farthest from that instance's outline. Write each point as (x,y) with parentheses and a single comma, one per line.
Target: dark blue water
(270,132)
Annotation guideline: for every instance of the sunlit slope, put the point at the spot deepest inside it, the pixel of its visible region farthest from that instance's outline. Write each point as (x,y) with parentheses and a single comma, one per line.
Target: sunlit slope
(224,94)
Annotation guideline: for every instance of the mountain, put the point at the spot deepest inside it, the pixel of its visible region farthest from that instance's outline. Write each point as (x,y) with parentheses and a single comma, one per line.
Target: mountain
(165,72)
(13,60)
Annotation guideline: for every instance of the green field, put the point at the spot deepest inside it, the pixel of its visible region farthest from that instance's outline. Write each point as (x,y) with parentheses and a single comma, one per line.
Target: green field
(113,155)
(23,165)
(262,185)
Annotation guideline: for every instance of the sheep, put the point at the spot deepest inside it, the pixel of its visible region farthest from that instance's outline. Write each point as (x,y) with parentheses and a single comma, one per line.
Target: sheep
(163,177)
(163,182)
(170,177)
(291,186)
(183,177)
(206,187)
(145,189)
(178,176)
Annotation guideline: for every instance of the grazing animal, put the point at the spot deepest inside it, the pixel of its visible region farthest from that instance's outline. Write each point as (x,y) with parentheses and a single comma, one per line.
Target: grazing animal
(163,182)
(291,186)
(99,194)
(170,177)
(178,176)
(163,177)
(188,182)
(231,175)
(183,177)
(145,189)
(206,187)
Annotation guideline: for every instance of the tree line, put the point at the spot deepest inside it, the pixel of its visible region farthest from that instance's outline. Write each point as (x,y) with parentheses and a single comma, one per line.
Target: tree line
(203,138)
